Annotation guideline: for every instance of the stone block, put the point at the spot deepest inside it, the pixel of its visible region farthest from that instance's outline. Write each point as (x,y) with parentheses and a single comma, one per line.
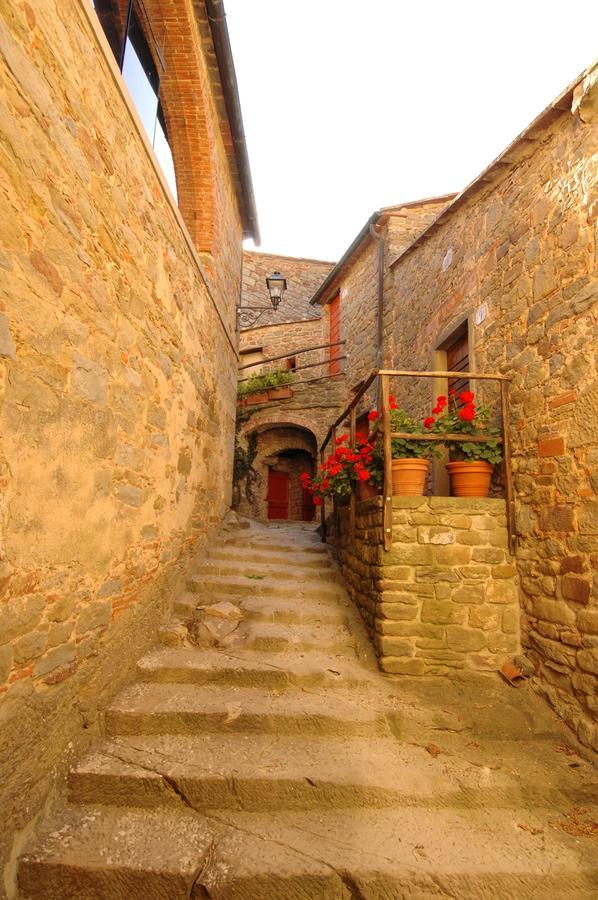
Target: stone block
(464,640)
(588,517)
(556,518)
(435,534)
(20,616)
(110,587)
(59,633)
(90,380)
(502,643)
(409,555)
(29,647)
(492,556)
(551,649)
(452,555)
(511,621)
(405,502)
(54,659)
(488,618)
(395,665)
(552,611)
(397,611)
(483,662)
(7,346)
(443,590)
(588,660)
(96,614)
(502,591)
(469,593)
(504,571)
(396,573)
(576,588)
(131,495)
(405,590)
(441,612)
(394,646)
(587,621)
(6,658)
(474,572)
(436,573)
(553,446)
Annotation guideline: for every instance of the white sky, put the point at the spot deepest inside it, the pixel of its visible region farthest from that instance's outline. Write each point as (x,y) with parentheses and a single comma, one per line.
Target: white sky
(350,105)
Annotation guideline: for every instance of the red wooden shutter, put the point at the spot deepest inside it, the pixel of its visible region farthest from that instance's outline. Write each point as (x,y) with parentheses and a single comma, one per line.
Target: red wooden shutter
(335,334)
(457,360)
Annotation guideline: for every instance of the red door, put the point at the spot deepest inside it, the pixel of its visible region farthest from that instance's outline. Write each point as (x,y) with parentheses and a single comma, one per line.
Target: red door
(278,494)
(335,334)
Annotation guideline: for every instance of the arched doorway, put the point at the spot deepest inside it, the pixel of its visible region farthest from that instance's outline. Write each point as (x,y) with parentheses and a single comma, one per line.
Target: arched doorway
(271,488)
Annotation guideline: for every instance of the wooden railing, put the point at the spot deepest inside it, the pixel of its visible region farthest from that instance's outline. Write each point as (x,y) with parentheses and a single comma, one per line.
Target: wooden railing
(387,435)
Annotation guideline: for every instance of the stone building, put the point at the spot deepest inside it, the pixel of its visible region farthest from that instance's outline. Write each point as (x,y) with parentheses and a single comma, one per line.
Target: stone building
(278,440)
(118,362)
(508,273)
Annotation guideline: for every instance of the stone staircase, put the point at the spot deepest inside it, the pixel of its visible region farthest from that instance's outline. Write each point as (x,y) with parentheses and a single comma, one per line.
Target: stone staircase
(279,764)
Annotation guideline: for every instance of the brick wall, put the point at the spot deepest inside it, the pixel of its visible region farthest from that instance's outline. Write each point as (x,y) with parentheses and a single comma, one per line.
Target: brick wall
(304,276)
(519,251)
(117,392)
(445,596)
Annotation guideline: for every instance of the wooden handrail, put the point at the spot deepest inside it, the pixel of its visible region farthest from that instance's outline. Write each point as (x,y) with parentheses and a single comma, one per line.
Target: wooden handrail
(387,435)
(325,362)
(269,359)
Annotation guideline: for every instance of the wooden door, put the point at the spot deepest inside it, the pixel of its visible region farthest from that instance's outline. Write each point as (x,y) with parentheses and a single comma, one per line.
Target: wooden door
(335,334)
(457,360)
(278,494)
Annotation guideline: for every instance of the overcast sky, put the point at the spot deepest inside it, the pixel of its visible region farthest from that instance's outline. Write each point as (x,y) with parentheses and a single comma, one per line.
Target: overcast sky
(351,105)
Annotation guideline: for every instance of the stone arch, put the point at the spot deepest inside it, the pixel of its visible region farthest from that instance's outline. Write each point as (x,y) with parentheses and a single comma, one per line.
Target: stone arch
(268,418)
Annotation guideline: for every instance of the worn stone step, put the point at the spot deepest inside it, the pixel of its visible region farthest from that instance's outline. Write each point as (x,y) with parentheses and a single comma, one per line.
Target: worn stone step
(258,773)
(110,853)
(242,586)
(252,555)
(251,668)
(156,708)
(280,636)
(269,545)
(260,571)
(171,853)
(391,854)
(273,609)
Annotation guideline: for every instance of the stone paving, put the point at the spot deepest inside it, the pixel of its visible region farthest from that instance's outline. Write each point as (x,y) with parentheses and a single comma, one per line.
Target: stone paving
(261,755)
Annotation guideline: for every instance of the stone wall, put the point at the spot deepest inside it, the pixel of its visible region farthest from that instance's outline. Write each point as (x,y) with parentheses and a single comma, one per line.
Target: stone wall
(517,254)
(274,340)
(117,393)
(445,596)
(304,276)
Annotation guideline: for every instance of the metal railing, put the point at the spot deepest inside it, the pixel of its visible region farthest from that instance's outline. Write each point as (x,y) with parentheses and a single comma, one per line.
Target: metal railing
(387,435)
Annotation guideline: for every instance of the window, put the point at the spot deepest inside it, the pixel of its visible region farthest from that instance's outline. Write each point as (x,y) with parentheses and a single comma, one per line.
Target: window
(291,362)
(141,62)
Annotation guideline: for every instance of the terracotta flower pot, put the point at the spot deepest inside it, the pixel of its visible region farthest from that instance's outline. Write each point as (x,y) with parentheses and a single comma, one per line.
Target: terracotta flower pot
(470,478)
(409,476)
(281,393)
(366,490)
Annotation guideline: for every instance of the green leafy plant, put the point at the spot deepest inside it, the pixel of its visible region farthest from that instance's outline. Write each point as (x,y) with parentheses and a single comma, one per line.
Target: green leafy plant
(460,415)
(257,383)
(402,448)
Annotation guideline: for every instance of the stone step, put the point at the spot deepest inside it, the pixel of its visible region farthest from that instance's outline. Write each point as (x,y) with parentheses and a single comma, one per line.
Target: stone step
(250,668)
(257,773)
(231,587)
(260,571)
(279,636)
(252,555)
(273,609)
(108,853)
(156,708)
(265,545)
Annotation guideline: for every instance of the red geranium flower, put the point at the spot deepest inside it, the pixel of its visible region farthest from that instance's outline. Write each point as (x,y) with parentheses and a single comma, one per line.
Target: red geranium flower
(363,475)
(392,402)
(466,396)
(429,422)
(452,392)
(372,415)
(437,410)
(317,501)
(324,483)
(341,439)
(441,400)
(467,413)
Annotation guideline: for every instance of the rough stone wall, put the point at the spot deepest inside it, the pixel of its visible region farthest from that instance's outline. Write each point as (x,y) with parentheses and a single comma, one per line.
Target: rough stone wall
(117,395)
(304,276)
(445,596)
(275,340)
(520,251)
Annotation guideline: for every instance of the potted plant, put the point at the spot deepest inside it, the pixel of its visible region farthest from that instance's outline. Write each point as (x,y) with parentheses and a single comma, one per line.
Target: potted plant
(471,462)
(345,468)
(410,458)
(269,386)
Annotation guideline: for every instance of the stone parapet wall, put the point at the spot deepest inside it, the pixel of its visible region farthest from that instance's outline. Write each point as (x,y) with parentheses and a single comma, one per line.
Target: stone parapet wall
(445,596)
